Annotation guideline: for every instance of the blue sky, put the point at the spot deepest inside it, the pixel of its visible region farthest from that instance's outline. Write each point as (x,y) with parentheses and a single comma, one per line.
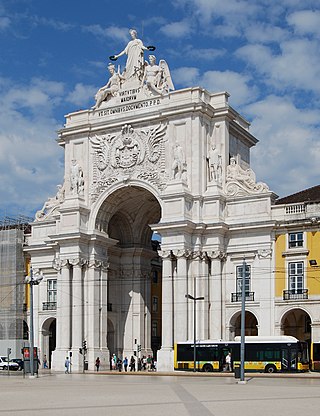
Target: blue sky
(54,54)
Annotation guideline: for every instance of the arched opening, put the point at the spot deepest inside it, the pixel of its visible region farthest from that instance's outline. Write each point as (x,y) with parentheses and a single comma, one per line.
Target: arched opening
(251,324)
(126,216)
(48,339)
(297,323)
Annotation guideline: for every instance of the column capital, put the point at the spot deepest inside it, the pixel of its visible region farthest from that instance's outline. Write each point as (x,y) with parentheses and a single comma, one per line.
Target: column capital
(198,255)
(180,253)
(219,254)
(78,261)
(94,264)
(165,254)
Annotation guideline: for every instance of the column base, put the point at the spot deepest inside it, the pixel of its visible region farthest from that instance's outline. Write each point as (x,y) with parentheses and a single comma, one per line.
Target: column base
(165,359)
(58,359)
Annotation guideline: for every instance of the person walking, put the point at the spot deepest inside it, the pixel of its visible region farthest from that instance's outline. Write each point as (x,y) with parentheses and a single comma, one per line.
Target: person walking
(45,362)
(228,362)
(97,363)
(125,364)
(67,365)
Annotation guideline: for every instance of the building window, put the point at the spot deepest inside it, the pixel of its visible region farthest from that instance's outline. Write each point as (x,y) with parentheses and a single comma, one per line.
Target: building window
(154,303)
(295,240)
(296,277)
(154,328)
(52,290)
(239,279)
(155,276)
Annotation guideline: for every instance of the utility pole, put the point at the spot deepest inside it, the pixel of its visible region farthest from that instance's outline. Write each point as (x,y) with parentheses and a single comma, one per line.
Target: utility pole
(194,298)
(243,319)
(31,281)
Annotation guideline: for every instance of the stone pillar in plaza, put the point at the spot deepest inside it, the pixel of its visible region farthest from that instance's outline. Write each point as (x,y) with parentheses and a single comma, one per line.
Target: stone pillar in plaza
(165,355)
(77,311)
(63,336)
(180,292)
(216,299)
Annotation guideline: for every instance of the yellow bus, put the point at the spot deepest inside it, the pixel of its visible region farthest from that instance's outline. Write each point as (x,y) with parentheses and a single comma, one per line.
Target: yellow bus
(262,354)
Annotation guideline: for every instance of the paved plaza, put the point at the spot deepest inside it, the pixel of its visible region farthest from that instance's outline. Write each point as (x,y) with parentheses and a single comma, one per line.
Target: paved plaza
(118,394)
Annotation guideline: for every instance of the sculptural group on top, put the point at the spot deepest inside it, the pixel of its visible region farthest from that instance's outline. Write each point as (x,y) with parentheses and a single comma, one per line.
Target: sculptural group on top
(150,77)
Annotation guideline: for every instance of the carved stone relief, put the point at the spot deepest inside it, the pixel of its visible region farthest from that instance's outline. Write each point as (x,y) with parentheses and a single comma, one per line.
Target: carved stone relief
(50,206)
(131,154)
(242,181)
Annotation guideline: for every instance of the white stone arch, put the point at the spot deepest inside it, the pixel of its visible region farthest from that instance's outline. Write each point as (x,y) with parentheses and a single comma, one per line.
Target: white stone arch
(115,187)
(251,327)
(48,339)
(296,321)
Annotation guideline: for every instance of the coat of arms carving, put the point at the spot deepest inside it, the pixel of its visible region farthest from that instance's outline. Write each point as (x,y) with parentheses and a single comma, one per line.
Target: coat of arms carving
(129,154)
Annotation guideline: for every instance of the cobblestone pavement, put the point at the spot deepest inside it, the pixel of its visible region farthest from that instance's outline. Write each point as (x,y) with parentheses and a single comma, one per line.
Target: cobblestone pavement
(114,394)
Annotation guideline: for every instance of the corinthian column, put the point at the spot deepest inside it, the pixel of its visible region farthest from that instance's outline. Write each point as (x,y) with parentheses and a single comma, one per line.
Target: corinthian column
(64,308)
(77,303)
(180,292)
(165,355)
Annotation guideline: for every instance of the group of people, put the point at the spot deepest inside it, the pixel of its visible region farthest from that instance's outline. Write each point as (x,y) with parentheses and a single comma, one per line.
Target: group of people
(133,364)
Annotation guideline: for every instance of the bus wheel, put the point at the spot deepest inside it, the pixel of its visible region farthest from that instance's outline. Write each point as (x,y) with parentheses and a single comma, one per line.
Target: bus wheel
(207,368)
(270,369)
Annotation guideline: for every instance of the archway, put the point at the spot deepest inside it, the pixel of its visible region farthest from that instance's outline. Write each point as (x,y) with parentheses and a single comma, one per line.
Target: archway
(297,323)
(126,216)
(251,324)
(48,339)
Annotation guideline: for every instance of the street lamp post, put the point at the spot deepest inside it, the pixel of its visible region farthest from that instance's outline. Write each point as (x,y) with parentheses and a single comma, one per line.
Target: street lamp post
(30,280)
(194,298)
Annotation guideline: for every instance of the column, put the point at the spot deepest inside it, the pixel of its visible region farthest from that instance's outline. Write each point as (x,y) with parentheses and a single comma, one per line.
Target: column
(77,304)
(104,306)
(165,355)
(180,292)
(215,295)
(64,308)
(63,341)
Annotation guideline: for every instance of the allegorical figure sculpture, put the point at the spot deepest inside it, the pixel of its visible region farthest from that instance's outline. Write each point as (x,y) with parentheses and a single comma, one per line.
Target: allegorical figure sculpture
(135,57)
(157,78)
(51,204)
(239,179)
(179,167)
(110,89)
(76,178)
(215,164)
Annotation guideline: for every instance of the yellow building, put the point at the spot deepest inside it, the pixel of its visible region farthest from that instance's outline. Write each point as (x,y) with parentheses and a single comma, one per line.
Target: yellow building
(297,265)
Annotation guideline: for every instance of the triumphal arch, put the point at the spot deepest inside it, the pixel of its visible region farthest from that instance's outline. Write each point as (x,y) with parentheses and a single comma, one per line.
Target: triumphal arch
(148,162)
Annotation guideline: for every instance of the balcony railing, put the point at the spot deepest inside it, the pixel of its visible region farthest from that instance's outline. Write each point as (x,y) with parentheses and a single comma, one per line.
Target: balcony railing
(237,297)
(295,294)
(49,306)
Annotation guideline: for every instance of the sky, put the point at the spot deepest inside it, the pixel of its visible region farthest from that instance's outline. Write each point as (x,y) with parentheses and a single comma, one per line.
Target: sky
(54,56)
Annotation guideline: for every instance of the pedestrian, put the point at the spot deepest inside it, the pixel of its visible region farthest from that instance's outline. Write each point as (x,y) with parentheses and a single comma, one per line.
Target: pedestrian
(45,362)
(139,364)
(125,364)
(228,362)
(132,363)
(149,362)
(119,364)
(114,362)
(67,365)
(97,363)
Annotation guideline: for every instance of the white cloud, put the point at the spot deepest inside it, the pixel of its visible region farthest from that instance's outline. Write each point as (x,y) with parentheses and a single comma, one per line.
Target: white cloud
(237,85)
(296,66)
(305,22)
(30,160)
(185,76)
(111,32)
(82,94)
(177,29)
(287,155)
(4,22)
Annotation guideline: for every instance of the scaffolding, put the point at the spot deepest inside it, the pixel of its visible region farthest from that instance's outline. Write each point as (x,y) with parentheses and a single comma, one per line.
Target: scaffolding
(12,287)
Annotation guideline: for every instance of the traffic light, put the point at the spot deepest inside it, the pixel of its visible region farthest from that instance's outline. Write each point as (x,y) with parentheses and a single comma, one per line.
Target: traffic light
(84,345)
(80,350)
(9,351)
(139,347)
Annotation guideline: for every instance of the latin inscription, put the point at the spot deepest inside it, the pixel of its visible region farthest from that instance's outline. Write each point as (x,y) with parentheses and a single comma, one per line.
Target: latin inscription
(129,107)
